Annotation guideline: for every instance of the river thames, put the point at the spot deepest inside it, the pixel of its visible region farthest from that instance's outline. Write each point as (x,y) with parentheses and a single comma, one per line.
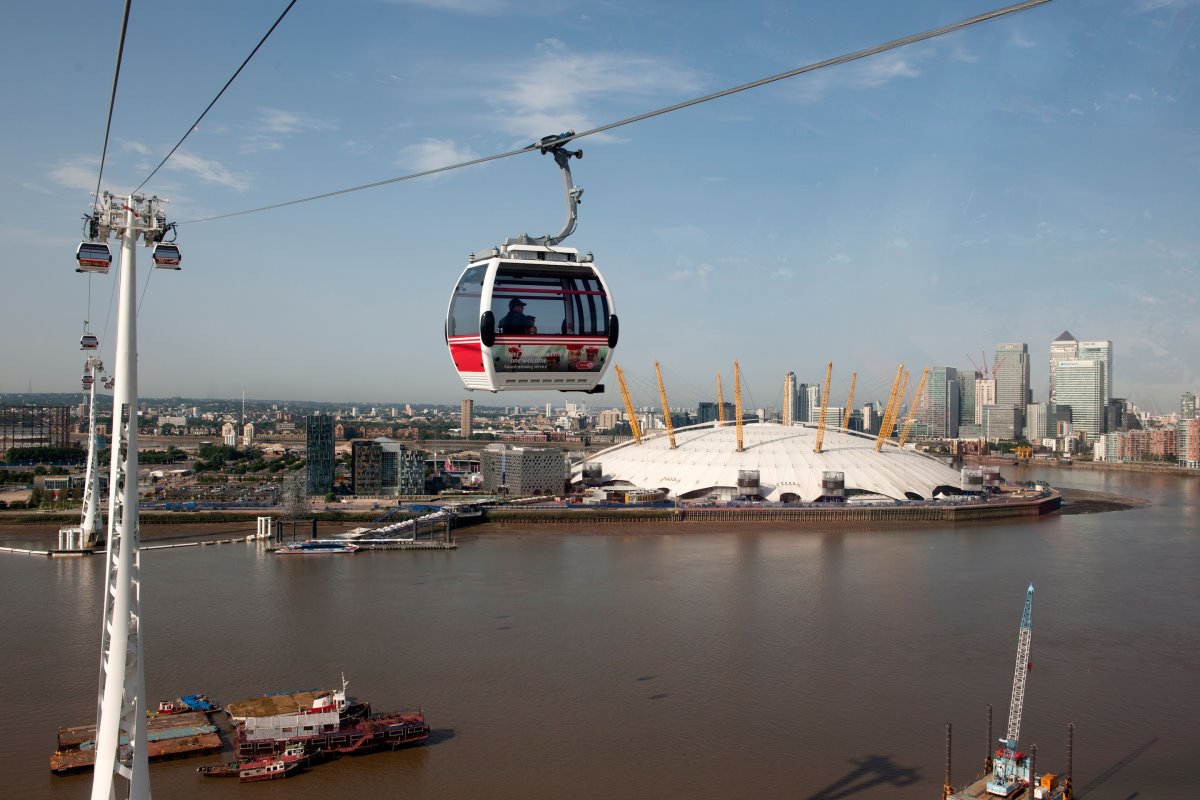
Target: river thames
(663,661)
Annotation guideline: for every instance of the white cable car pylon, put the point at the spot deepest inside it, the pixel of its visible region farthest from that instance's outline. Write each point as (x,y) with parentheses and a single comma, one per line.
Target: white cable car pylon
(1011,770)
(532,315)
(121,701)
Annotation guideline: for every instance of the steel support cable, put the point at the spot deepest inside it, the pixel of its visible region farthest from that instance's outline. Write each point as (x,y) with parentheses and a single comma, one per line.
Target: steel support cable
(112,101)
(208,108)
(843,59)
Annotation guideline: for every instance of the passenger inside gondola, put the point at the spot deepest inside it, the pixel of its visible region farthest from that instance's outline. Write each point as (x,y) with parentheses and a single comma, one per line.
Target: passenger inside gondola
(515,322)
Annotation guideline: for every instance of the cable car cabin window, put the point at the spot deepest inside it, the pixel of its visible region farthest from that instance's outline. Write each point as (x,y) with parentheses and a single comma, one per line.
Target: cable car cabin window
(558,301)
(464,305)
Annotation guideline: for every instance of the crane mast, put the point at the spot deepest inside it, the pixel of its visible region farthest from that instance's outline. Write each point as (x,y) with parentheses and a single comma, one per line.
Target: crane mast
(850,401)
(720,401)
(1007,777)
(824,407)
(633,423)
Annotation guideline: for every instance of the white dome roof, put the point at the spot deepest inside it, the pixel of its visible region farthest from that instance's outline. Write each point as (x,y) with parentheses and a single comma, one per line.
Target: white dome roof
(705,457)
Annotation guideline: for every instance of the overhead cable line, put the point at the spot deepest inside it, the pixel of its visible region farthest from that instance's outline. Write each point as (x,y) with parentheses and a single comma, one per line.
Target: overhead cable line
(113,99)
(192,127)
(536,146)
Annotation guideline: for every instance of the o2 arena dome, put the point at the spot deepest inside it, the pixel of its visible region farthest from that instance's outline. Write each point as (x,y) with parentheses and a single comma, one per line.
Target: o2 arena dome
(777,463)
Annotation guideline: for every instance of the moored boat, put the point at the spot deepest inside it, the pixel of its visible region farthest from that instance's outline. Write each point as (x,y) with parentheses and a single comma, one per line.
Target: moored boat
(318,547)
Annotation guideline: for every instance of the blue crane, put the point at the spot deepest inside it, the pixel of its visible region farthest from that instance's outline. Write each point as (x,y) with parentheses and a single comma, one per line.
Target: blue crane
(1011,769)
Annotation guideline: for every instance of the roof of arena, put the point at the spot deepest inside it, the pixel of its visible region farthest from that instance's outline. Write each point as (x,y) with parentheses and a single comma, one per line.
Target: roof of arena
(705,460)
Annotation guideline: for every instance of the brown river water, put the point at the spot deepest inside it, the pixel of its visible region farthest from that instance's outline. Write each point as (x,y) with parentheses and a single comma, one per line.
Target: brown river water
(662,662)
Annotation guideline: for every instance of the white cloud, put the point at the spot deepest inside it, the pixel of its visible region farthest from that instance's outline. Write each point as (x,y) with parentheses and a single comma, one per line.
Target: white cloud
(899,242)
(79,172)
(554,91)
(207,170)
(1153,5)
(275,120)
(135,147)
(460,6)
(960,54)
(434,153)
(1018,39)
(273,125)
(840,258)
(699,273)
(869,74)
(36,187)
(1132,96)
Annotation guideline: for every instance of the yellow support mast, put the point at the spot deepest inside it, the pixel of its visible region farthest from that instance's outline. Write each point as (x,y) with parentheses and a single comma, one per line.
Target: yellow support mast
(662,392)
(737,402)
(824,407)
(633,423)
(850,401)
(887,412)
(899,404)
(720,401)
(918,399)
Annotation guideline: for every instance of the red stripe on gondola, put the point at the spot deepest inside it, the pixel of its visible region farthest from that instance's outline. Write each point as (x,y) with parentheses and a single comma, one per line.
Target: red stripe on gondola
(517,291)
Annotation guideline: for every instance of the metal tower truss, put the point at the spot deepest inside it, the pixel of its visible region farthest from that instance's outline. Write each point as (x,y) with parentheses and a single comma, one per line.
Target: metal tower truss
(121,706)
(91,522)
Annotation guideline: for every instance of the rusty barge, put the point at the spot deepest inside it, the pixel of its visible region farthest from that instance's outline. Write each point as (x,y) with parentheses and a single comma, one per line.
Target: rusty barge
(178,735)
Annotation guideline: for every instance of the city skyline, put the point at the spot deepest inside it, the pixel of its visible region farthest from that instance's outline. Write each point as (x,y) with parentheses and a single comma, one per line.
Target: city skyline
(1003,184)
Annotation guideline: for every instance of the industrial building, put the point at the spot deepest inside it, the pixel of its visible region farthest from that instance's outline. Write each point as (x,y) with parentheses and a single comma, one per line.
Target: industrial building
(34,426)
(777,462)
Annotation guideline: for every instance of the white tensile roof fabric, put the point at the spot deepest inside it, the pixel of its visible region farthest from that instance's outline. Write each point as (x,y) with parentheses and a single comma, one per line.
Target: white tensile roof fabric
(706,457)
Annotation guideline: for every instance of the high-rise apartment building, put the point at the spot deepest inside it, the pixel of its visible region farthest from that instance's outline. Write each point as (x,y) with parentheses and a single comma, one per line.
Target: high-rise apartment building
(1187,406)
(1064,348)
(1081,387)
(940,404)
(985,395)
(466,422)
(318,436)
(813,403)
(386,467)
(1037,421)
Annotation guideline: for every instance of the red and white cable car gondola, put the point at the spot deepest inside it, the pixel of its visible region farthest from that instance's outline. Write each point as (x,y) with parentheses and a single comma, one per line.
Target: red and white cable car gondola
(93,257)
(529,315)
(88,380)
(166,255)
(88,341)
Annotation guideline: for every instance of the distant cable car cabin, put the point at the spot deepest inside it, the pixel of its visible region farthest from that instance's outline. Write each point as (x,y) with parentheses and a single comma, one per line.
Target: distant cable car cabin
(89,342)
(530,315)
(166,255)
(93,257)
(87,382)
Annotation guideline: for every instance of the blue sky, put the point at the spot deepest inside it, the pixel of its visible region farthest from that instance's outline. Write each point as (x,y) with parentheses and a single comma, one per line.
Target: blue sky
(1004,183)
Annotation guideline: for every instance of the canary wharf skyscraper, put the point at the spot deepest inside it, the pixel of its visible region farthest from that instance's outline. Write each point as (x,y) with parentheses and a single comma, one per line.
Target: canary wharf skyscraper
(1011,371)
(1064,348)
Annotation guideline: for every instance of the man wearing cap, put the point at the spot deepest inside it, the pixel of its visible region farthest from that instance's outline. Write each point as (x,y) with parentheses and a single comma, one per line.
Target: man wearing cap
(515,322)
